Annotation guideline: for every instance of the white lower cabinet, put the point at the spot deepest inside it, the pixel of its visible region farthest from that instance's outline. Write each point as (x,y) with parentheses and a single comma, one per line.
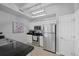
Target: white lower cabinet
(29,38)
(41,41)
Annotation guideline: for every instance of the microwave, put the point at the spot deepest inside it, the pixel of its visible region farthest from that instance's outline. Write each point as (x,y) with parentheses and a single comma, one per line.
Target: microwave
(37,27)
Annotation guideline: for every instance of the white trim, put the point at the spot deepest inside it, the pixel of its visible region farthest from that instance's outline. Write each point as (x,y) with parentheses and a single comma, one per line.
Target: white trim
(57,53)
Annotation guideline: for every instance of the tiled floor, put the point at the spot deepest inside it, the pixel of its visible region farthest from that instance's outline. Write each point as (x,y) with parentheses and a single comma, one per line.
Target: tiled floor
(38,51)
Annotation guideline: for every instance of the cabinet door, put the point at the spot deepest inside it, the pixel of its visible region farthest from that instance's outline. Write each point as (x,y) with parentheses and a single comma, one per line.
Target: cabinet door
(29,38)
(41,41)
(45,43)
(66,30)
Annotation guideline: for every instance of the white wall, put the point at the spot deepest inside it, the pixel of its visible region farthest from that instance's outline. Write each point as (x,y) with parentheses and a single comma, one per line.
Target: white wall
(6,27)
(11,5)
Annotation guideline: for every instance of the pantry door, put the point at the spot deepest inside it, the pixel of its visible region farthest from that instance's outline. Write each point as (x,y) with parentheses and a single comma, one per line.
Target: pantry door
(66,31)
(77,33)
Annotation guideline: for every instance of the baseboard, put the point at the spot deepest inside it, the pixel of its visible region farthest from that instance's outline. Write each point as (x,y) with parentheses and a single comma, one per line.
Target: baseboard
(59,54)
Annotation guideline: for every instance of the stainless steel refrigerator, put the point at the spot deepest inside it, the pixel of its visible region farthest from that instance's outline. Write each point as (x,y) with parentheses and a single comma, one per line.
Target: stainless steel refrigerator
(49,41)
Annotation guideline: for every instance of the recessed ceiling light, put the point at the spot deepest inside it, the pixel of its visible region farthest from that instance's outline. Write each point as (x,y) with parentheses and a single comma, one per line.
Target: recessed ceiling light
(38,11)
(40,15)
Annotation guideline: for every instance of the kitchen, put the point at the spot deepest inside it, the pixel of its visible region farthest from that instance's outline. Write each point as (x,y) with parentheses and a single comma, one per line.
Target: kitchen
(50,27)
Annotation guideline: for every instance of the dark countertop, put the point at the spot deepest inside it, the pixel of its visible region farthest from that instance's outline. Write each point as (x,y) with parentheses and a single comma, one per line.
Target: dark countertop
(19,49)
(35,34)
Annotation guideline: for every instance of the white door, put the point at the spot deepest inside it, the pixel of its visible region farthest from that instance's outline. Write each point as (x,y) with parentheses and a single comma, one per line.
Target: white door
(77,33)
(66,30)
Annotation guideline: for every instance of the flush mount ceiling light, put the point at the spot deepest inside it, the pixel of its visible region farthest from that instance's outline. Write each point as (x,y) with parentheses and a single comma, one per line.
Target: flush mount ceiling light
(38,11)
(39,15)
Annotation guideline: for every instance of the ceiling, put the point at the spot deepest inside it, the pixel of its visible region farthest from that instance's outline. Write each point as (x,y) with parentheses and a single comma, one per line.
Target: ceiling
(37,11)
(34,10)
